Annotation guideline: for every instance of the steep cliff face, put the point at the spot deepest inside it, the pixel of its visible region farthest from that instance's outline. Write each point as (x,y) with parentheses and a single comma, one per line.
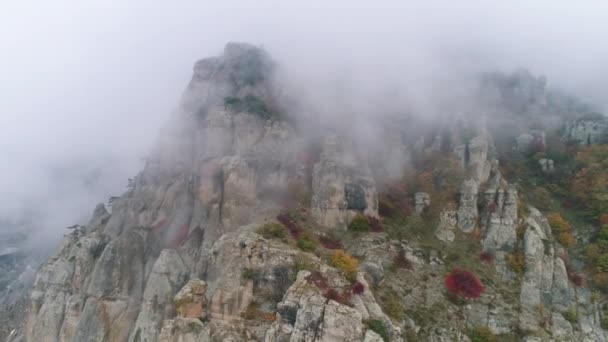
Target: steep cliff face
(217,239)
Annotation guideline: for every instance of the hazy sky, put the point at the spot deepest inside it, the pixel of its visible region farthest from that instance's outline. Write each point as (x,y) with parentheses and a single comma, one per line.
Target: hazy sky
(85,85)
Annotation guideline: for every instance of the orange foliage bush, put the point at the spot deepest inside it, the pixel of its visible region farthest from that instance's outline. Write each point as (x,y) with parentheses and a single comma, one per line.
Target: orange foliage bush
(347,263)
(561,228)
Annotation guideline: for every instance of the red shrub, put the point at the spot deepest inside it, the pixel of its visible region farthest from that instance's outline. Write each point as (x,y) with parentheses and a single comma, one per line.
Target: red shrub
(577,278)
(343,298)
(318,280)
(376,225)
(330,242)
(492,207)
(291,225)
(487,257)
(604,219)
(332,294)
(401,261)
(357,288)
(463,283)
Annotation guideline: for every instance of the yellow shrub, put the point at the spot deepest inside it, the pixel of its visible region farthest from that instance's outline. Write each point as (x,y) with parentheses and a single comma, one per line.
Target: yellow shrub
(347,263)
(561,228)
(517,261)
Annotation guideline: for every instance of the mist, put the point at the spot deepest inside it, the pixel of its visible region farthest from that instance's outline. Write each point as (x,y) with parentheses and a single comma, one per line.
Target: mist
(86,86)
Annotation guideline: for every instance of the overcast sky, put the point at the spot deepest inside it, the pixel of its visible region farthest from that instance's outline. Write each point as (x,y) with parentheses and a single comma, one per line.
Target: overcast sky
(85,85)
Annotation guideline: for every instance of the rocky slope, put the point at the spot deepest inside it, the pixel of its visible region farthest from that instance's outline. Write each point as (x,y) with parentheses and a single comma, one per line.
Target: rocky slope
(217,238)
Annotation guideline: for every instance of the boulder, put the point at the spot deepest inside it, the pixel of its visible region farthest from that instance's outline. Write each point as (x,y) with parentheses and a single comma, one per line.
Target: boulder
(421,201)
(448,220)
(190,301)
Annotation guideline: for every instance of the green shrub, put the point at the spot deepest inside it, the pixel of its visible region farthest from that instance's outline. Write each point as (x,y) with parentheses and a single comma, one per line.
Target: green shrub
(273,230)
(307,243)
(482,334)
(604,322)
(359,224)
(379,328)
(602,262)
(250,274)
(391,304)
(571,316)
(603,234)
(249,104)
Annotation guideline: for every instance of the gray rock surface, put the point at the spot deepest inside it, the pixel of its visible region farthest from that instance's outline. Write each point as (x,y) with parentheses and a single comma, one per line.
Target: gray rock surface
(342,185)
(467,210)
(421,201)
(587,131)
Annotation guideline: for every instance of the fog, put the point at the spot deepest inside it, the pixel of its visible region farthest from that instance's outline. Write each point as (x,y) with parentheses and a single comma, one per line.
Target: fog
(86,85)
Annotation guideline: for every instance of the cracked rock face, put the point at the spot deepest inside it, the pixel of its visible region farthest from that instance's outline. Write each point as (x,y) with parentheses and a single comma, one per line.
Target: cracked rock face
(467,210)
(342,185)
(586,131)
(305,314)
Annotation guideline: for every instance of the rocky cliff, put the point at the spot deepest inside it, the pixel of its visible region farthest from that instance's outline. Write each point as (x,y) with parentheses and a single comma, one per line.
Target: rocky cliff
(242,228)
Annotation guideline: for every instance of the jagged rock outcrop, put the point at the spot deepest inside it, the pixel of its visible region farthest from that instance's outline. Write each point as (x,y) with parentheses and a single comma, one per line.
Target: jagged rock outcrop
(184,329)
(499,222)
(587,130)
(166,277)
(342,185)
(269,261)
(421,201)
(475,157)
(546,165)
(467,210)
(305,314)
(191,301)
(534,140)
(448,220)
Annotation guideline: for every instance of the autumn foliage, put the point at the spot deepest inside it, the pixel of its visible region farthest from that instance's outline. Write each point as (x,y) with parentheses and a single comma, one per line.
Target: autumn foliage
(291,225)
(487,257)
(463,283)
(330,242)
(562,229)
(347,263)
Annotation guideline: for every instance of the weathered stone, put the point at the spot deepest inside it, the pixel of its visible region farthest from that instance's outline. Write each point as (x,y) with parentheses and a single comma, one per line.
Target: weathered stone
(168,274)
(448,219)
(546,165)
(190,301)
(467,210)
(184,329)
(587,131)
(421,201)
(371,336)
(341,185)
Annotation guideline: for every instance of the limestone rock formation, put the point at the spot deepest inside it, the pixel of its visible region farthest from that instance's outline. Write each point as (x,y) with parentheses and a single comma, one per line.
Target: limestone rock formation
(199,248)
(467,210)
(587,130)
(190,301)
(421,201)
(546,165)
(342,185)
